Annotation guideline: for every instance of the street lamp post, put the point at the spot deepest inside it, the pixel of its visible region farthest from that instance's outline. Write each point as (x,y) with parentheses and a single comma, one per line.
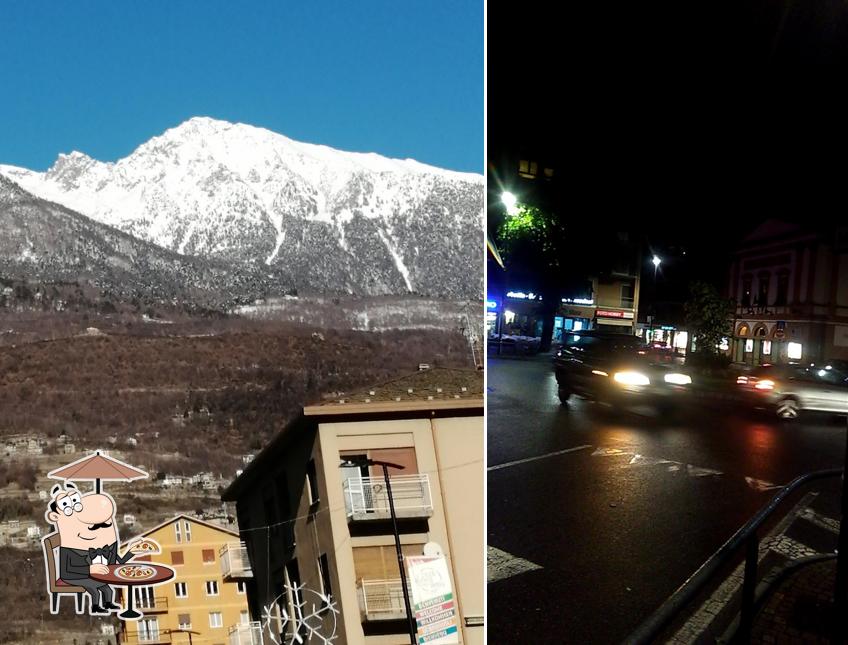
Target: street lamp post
(656,262)
(385,465)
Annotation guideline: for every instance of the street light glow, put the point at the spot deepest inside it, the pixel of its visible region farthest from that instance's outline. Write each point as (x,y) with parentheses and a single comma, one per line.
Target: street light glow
(656,261)
(511,202)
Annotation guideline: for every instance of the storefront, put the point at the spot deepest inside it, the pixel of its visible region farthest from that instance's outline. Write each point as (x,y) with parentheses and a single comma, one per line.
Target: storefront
(670,335)
(573,316)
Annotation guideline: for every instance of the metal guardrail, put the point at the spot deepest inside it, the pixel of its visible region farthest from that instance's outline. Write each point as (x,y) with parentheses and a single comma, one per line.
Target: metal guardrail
(745,537)
(367,497)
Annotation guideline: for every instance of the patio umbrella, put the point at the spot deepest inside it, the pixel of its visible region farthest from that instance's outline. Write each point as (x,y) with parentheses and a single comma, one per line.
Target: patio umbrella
(97,467)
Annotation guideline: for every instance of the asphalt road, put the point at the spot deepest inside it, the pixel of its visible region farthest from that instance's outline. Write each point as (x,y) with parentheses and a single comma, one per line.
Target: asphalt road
(595,517)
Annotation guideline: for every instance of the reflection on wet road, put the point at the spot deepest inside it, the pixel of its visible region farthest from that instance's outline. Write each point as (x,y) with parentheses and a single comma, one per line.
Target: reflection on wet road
(616,510)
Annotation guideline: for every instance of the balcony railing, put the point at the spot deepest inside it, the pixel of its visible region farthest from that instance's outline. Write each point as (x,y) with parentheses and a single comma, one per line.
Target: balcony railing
(381,600)
(246,634)
(366,498)
(235,563)
(156,605)
(149,637)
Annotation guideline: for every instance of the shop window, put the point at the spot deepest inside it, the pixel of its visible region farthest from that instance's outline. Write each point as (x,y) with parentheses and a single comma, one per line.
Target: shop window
(794,351)
(766,348)
(749,346)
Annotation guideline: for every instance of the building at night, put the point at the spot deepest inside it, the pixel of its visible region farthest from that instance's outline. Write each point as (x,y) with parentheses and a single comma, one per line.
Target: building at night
(314,511)
(789,283)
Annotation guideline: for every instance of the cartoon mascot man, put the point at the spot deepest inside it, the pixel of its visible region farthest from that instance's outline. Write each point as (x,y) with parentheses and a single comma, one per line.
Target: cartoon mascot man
(89,541)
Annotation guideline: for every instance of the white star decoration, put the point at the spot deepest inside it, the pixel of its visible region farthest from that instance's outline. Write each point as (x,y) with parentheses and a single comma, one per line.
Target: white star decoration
(317,621)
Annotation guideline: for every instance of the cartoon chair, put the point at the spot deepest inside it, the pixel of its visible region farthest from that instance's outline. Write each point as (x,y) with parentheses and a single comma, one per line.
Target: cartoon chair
(57,586)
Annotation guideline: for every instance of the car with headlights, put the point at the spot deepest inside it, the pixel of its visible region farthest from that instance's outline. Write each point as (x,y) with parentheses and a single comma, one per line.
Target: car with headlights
(616,369)
(787,390)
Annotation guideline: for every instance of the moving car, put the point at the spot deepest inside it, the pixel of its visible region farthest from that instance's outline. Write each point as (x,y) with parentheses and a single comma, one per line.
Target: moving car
(789,389)
(614,368)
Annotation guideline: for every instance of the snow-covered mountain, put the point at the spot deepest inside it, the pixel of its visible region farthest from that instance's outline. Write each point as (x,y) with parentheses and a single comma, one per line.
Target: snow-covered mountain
(318,218)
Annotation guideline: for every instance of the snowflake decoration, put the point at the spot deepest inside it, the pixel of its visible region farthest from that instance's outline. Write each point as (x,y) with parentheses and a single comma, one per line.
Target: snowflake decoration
(305,623)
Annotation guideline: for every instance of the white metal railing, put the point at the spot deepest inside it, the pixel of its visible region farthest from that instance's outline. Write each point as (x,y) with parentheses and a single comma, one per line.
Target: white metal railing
(381,599)
(246,634)
(367,497)
(235,562)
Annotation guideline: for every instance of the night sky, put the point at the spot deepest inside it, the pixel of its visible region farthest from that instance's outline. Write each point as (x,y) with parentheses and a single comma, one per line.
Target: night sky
(688,125)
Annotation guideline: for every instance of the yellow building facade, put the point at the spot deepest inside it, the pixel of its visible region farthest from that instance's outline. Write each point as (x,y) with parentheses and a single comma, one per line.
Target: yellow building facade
(200,605)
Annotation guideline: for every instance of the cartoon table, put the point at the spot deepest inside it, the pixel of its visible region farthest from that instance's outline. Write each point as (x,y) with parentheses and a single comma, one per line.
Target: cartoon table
(161,574)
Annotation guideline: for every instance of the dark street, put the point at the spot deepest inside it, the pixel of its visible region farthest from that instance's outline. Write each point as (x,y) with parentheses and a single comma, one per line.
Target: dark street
(595,517)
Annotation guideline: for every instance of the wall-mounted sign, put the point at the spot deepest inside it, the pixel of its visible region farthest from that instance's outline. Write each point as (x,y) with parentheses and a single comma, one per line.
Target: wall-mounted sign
(432,600)
(601,313)
(667,328)
(520,295)
(588,302)
(491,304)
(780,329)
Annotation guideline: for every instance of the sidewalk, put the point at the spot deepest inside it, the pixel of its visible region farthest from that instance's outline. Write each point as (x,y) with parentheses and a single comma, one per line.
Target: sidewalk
(798,611)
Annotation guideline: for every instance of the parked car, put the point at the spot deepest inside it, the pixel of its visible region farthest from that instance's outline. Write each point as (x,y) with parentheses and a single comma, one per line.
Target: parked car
(616,369)
(789,389)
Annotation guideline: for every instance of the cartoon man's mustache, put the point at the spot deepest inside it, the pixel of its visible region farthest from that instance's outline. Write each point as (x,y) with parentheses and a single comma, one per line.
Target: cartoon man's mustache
(101,525)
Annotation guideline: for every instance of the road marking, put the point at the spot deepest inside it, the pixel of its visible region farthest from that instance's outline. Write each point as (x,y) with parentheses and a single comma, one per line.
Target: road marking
(697,471)
(640,460)
(760,484)
(826,523)
(501,565)
(608,452)
(529,459)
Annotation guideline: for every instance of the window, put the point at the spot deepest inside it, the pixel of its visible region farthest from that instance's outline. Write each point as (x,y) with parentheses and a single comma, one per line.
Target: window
(177,531)
(148,629)
(215,619)
(324,571)
(187,531)
(144,597)
(208,556)
(749,345)
(211,587)
(766,348)
(782,288)
(528,169)
(177,557)
(549,173)
(185,621)
(312,483)
(627,295)
(241,587)
(180,590)
(746,290)
(763,292)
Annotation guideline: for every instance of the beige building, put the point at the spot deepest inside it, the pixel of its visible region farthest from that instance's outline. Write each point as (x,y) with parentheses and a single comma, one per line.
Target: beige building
(316,521)
(790,287)
(203,604)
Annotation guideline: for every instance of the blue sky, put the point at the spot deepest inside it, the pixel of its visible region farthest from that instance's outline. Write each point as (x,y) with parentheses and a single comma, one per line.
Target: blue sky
(403,79)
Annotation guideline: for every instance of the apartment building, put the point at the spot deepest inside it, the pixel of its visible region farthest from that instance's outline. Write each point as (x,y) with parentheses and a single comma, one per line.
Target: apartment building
(315,516)
(204,604)
(789,283)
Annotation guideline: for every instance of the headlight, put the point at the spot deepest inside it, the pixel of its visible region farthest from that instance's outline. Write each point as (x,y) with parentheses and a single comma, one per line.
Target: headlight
(631,378)
(765,384)
(678,379)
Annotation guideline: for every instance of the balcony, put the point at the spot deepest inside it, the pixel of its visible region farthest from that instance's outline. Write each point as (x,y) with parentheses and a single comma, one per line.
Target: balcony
(381,600)
(246,634)
(148,637)
(366,498)
(147,605)
(235,563)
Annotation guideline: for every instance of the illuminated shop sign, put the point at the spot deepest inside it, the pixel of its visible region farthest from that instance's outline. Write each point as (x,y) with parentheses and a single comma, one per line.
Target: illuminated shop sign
(613,314)
(520,295)
(491,304)
(579,301)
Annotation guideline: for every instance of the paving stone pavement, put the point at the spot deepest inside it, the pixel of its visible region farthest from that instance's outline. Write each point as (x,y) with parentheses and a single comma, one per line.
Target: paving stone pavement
(798,611)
